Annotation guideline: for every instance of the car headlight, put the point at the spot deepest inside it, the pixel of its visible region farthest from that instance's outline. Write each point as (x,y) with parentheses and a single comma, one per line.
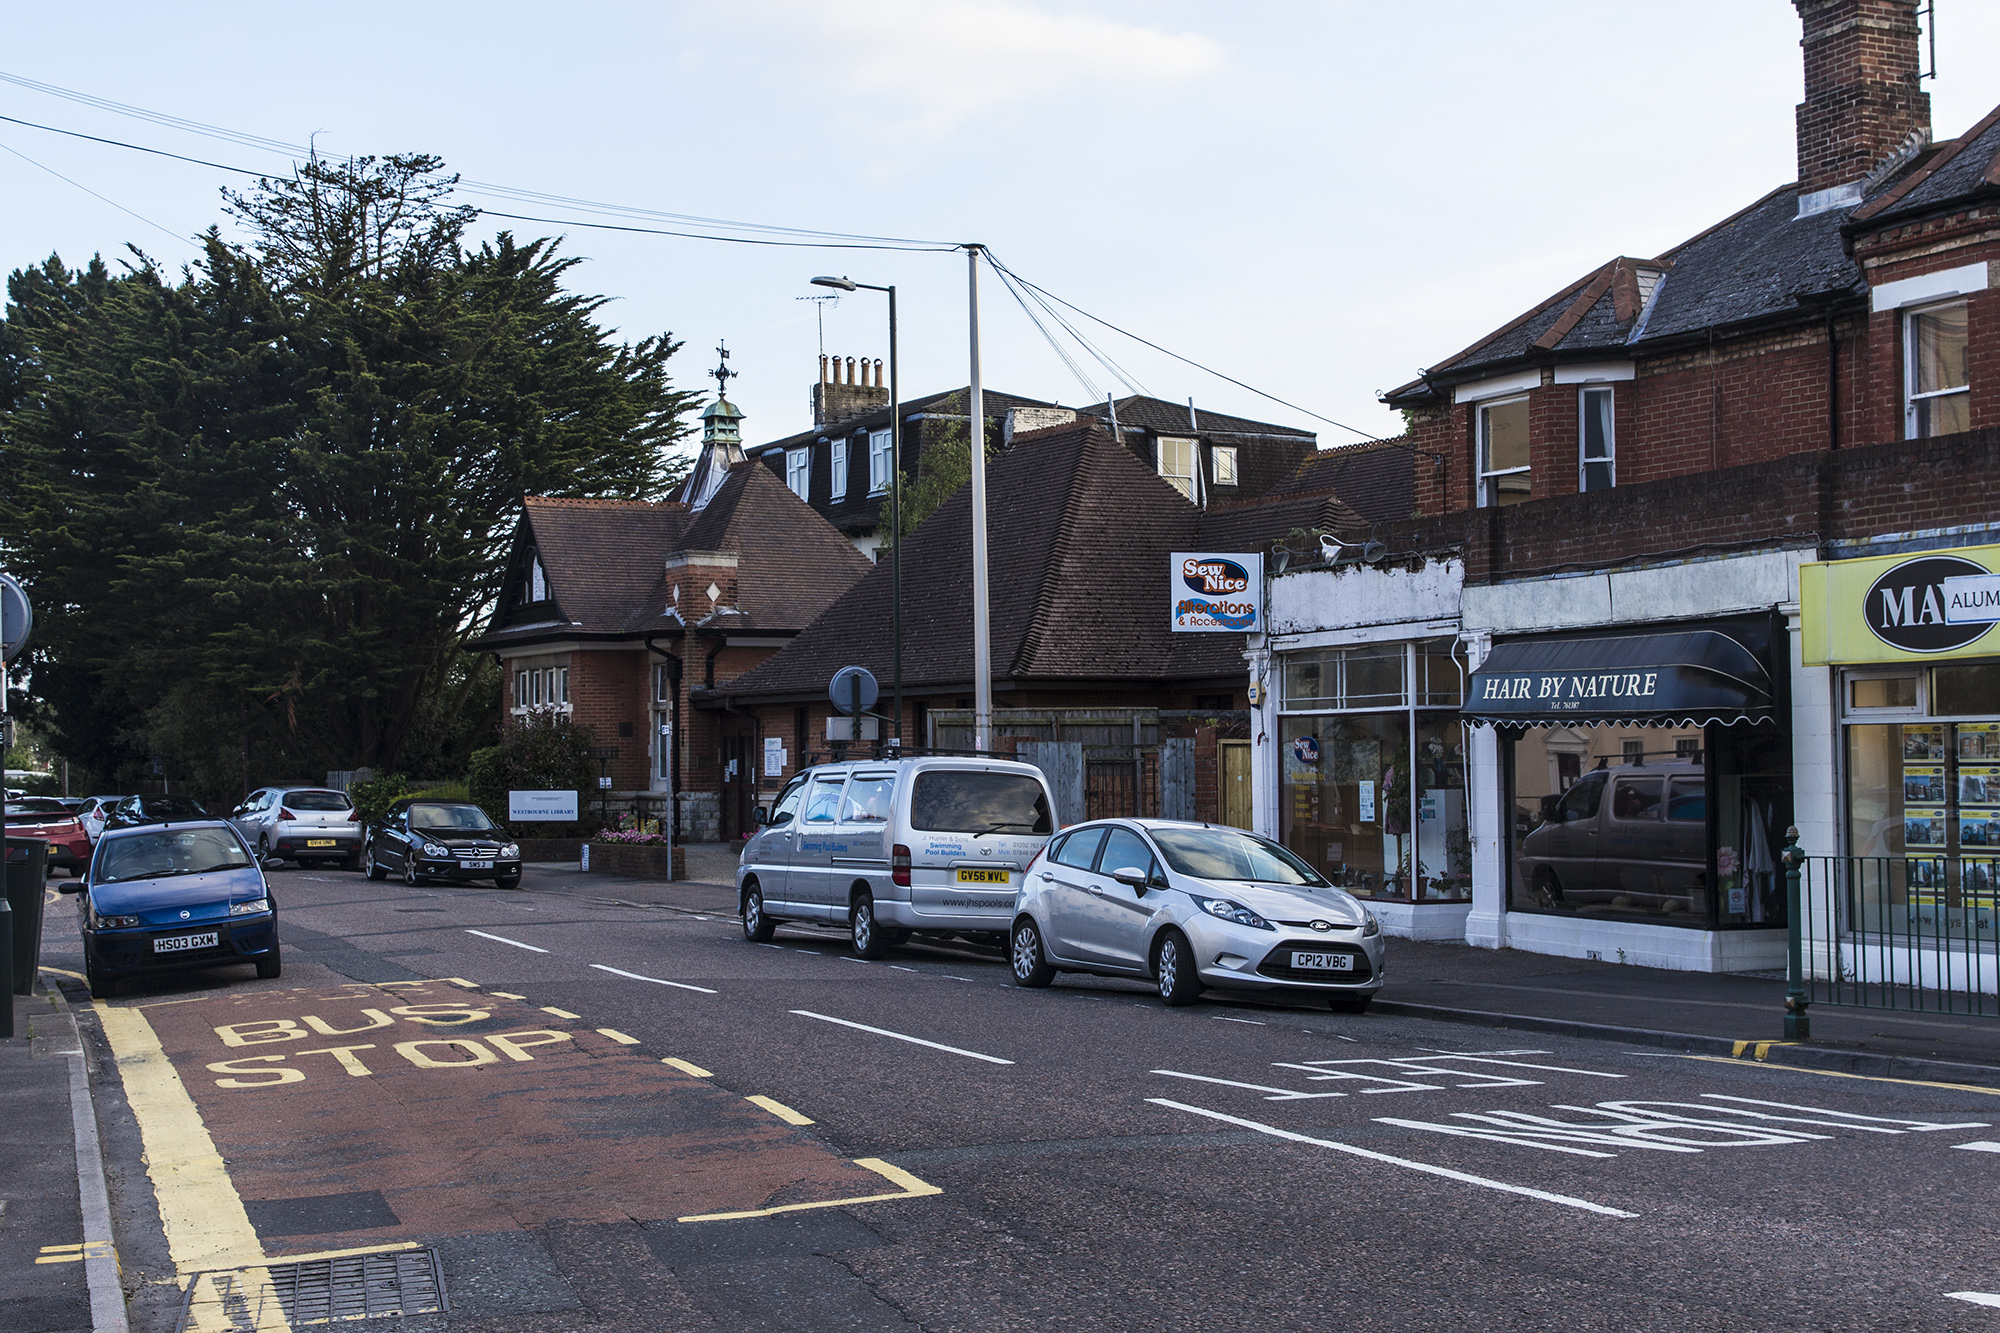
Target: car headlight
(117,922)
(1229,911)
(250,908)
(512,849)
(1369,925)
(432,849)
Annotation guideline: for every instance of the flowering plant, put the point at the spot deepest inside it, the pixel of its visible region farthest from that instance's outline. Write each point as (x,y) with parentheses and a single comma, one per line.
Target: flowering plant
(630,837)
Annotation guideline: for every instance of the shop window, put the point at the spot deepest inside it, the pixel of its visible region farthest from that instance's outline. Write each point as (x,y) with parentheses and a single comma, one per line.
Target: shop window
(1225,465)
(1882,692)
(1596,468)
(1960,690)
(836,487)
(1665,825)
(798,472)
(1503,453)
(1177,464)
(1938,391)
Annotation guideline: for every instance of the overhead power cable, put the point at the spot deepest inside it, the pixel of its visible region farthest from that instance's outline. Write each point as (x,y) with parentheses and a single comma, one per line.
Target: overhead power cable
(95,195)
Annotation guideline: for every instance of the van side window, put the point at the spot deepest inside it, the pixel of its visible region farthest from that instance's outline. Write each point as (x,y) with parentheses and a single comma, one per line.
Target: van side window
(1687,800)
(1079,849)
(787,803)
(1636,798)
(868,798)
(1581,801)
(824,801)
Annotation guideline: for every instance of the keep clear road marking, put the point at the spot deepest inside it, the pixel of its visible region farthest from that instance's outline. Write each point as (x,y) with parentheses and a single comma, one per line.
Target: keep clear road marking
(1976,1298)
(504,940)
(899,1036)
(1460,1176)
(681,985)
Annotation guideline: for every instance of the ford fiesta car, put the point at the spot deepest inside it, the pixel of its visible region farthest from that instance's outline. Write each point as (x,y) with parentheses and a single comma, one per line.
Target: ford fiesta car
(46,818)
(165,897)
(1190,906)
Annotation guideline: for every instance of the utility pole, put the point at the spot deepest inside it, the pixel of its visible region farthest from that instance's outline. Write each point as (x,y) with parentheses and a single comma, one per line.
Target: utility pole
(982,638)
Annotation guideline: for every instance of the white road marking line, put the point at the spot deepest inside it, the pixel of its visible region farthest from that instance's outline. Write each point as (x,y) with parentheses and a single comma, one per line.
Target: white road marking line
(949,977)
(1522,1064)
(1490,1137)
(900,968)
(1425,1167)
(779,947)
(1976,1298)
(1352,1039)
(849,958)
(899,1036)
(1906,1126)
(1982,1146)
(1279,1094)
(504,940)
(1225,1018)
(682,985)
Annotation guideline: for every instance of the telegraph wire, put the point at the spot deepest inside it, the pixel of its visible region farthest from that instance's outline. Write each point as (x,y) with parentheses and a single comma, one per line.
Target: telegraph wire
(95,195)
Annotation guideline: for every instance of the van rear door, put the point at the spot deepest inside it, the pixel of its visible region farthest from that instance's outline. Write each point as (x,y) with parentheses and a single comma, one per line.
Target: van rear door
(973,832)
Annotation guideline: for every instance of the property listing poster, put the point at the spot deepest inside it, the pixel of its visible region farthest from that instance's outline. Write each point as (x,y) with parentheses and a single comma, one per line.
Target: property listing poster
(1926,798)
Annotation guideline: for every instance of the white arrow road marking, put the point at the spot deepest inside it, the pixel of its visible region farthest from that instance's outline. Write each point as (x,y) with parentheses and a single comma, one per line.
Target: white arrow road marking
(504,940)
(1984,1145)
(1425,1167)
(1976,1298)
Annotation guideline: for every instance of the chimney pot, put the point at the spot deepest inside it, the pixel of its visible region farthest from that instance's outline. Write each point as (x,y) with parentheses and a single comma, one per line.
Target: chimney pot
(850,370)
(822,367)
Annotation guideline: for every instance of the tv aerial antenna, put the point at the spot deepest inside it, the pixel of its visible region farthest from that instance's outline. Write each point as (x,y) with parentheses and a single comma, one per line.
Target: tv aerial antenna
(819,310)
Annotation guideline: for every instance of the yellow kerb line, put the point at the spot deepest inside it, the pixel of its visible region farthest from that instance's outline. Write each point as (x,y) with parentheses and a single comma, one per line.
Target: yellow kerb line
(1760,1048)
(70,1254)
(780,1110)
(1865,1078)
(687,1068)
(909,1187)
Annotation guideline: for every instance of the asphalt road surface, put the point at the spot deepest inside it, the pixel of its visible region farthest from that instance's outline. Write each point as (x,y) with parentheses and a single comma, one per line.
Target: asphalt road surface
(575,1113)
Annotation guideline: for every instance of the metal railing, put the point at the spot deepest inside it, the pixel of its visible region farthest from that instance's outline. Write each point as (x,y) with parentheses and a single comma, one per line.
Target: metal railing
(1917,933)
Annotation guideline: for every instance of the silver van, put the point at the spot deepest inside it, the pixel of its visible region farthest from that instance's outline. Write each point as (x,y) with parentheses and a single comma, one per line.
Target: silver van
(934,845)
(1631,838)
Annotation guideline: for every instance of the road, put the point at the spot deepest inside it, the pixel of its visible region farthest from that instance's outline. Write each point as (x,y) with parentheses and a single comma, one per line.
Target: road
(582,1113)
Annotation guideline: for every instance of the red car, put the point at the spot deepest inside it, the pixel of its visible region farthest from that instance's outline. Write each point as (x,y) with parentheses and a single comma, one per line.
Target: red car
(46,818)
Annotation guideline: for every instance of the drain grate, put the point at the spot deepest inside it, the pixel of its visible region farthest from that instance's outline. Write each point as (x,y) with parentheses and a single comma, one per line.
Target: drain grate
(317,1291)
(360,1286)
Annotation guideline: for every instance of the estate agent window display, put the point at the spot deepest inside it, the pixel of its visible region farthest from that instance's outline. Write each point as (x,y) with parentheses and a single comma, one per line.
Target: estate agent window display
(1646,774)
(1372,787)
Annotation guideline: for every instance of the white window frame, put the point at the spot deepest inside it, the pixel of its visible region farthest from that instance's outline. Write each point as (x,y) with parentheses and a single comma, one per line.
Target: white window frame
(836,488)
(562,686)
(521,689)
(880,463)
(1911,398)
(1610,458)
(1486,476)
(538,580)
(1184,482)
(798,472)
(1225,465)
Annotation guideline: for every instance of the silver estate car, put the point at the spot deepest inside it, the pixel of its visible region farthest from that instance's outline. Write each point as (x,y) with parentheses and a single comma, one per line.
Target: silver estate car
(1191,906)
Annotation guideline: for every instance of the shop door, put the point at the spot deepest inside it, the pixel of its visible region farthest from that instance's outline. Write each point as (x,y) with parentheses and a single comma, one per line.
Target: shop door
(1236,784)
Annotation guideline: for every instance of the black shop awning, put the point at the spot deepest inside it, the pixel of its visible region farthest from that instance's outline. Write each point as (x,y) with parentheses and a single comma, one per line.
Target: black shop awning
(1687,678)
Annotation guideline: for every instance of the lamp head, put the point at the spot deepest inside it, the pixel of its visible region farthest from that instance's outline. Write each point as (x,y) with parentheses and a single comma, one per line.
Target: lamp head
(839,284)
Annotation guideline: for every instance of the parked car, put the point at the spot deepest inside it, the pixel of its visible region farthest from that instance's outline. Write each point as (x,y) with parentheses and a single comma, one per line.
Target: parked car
(49,819)
(425,840)
(1637,833)
(165,897)
(310,825)
(1191,906)
(890,847)
(94,812)
(134,811)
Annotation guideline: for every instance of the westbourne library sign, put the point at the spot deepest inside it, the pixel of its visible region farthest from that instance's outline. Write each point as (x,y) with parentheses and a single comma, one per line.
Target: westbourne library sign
(1217,594)
(1901,608)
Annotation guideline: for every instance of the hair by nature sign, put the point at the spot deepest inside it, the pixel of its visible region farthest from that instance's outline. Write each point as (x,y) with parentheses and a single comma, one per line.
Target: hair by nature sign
(1914,607)
(1217,594)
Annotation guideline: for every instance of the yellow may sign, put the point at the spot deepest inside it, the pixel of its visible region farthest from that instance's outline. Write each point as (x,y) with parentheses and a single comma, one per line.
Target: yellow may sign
(1918,607)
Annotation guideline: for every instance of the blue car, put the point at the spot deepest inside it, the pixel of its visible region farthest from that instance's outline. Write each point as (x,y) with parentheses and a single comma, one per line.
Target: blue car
(167,897)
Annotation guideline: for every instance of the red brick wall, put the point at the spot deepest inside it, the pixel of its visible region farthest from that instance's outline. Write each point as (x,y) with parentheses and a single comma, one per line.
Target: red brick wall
(609,688)
(1862,95)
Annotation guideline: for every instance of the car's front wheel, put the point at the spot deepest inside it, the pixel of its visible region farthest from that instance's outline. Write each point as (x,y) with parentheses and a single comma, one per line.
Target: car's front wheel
(870,941)
(757,928)
(100,985)
(410,875)
(376,870)
(1026,957)
(512,881)
(1173,968)
(270,969)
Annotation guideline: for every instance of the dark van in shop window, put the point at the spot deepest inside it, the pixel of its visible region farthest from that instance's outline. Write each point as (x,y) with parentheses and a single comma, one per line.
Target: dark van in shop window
(1631,837)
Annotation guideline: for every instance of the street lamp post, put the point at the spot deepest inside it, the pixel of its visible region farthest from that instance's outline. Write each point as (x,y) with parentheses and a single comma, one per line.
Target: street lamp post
(895,506)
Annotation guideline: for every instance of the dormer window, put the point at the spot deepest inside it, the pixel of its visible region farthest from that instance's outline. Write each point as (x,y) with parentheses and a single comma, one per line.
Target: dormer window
(798,472)
(535,588)
(1177,464)
(880,464)
(1225,465)
(837,482)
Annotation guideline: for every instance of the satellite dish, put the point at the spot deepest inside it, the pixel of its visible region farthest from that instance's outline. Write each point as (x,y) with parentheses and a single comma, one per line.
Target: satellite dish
(17,619)
(854,690)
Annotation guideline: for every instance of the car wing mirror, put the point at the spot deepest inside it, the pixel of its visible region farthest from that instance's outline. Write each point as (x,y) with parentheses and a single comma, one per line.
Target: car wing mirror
(274,863)
(760,816)
(1131,876)
(73,886)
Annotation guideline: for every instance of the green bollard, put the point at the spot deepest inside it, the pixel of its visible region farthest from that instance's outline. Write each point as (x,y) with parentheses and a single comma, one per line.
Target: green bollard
(6,969)
(27,882)
(1798,1027)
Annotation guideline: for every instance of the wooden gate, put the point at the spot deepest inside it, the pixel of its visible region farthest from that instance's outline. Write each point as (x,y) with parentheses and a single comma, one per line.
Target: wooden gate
(1236,784)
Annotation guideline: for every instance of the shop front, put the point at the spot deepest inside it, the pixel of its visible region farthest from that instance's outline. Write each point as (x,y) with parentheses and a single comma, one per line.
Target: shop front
(1643,783)
(1913,668)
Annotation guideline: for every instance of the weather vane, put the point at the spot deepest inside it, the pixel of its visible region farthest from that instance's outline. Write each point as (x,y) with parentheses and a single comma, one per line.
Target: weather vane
(722,373)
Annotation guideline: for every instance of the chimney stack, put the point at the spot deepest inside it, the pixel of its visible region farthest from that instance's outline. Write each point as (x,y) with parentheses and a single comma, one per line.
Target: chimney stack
(1864,110)
(837,397)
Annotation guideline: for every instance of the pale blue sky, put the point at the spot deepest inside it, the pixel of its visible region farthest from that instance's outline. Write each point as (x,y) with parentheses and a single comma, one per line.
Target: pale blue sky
(1317,198)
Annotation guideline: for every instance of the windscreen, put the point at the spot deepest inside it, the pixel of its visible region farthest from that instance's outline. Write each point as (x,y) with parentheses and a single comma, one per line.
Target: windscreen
(172,807)
(449,819)
(316,800)
(195,851)
(949,801)
(38,805)
(1212,853)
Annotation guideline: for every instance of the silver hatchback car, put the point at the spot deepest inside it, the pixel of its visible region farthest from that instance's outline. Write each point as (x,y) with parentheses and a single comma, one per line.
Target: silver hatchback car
(1191,906)
(310,825)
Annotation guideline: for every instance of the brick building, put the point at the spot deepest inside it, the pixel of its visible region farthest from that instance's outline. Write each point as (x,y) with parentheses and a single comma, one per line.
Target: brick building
(1699,475)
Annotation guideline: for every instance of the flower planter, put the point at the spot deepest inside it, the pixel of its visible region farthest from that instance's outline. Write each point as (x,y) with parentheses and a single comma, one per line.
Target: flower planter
(550,849)
(638,862)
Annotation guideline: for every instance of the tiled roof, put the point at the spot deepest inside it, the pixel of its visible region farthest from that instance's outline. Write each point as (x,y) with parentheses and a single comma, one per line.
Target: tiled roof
(1966,166)
(992,402)
(1376,480)
(602,557)
(1165,418)
(1080,534)
(791,563)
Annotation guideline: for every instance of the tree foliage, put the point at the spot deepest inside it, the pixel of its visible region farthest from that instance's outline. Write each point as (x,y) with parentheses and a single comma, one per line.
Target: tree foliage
(543,750)
(261,505)
(943,468)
